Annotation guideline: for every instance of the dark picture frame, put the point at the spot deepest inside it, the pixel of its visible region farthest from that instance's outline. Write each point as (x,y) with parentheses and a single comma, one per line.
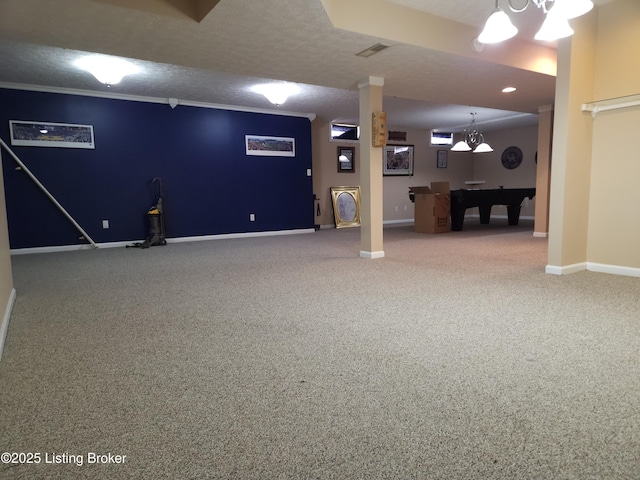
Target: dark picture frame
(442,159)
(397,160)
(346,159)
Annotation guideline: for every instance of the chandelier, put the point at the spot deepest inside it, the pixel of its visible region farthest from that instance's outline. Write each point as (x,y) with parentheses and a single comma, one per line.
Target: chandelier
(472,140)
(555,26)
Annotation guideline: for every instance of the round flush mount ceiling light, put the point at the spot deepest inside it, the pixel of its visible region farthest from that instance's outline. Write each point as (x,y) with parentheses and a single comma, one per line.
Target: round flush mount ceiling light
(106,69)
(276,93)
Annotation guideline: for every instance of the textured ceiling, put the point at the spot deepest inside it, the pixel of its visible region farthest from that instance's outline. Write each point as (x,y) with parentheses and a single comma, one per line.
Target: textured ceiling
(243,42)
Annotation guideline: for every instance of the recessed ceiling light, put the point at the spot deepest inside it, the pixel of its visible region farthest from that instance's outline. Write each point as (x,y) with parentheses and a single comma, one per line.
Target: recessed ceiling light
(108,70)
(508,89)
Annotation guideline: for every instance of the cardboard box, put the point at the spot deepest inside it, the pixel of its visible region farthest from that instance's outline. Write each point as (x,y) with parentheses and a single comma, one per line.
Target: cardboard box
(432,208)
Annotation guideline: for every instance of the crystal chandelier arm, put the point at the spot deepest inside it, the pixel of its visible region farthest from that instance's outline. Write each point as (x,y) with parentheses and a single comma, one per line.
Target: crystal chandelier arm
(473,135)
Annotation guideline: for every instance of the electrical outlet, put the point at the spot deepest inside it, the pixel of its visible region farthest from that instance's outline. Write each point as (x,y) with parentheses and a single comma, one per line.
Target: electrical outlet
(308,172)
(105,224)
(396,208)
(252,217)
(405,208)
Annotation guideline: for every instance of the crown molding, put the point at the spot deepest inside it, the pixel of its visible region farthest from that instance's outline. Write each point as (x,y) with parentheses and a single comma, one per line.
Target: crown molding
(172,102)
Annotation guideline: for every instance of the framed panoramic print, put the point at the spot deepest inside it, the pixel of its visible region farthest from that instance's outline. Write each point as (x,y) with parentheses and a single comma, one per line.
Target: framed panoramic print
(270,146)
(397,160)
(50,134)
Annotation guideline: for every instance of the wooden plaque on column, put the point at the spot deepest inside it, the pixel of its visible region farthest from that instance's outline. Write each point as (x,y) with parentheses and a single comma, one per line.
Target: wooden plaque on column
(379,130)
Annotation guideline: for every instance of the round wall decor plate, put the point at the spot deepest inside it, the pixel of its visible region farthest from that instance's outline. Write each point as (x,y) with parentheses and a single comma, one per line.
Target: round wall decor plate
(511,157)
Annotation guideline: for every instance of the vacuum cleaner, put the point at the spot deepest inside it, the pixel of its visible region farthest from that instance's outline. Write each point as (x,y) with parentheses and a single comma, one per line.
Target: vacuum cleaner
(155,219)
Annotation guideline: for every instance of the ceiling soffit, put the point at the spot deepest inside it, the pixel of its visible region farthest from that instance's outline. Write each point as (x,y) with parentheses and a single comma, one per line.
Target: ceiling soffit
(195,9)
(384,19)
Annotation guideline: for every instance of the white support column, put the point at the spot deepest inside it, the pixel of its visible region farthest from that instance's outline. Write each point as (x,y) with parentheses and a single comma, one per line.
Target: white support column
(371,245)
(543,171)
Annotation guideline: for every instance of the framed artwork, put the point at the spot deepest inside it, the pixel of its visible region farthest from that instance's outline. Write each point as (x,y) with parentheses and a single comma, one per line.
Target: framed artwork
(346,159)
(50,134)
(270,146)
(442,159)
(346,206)
(397,160)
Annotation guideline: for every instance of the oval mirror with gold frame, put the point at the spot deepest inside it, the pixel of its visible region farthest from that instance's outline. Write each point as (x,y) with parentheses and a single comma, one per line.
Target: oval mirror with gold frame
(346,206)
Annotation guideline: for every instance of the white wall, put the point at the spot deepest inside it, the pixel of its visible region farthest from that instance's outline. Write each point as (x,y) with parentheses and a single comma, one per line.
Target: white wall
(614,219)
(7,294)
(594,219)
(460,168)
(488,166)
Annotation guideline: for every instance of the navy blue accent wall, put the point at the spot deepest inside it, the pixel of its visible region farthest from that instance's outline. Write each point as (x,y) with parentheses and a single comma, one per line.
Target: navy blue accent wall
(210,185)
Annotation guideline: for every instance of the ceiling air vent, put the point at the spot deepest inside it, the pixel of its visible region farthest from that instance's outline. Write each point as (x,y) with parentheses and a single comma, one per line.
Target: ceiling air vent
(378,47)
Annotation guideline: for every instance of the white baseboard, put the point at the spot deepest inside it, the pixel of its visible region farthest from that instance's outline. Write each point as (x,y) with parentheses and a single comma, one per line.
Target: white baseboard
(613,269)
(239,235)
(558,270)
(540,234)
(5,319)
(410,221)
(505,217)
(386,223)
(68,248)
(593,267)
(371,255)
(398,223)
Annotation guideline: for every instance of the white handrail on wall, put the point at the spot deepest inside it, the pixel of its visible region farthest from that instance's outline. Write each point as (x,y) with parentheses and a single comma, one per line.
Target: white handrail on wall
(611,104)
(46,192)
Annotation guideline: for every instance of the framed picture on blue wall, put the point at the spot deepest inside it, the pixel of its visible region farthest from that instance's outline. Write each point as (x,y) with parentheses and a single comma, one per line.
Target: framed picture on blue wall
(270,146)
(50,134)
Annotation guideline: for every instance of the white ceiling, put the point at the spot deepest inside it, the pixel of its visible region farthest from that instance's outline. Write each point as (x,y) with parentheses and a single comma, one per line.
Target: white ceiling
(243,42)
